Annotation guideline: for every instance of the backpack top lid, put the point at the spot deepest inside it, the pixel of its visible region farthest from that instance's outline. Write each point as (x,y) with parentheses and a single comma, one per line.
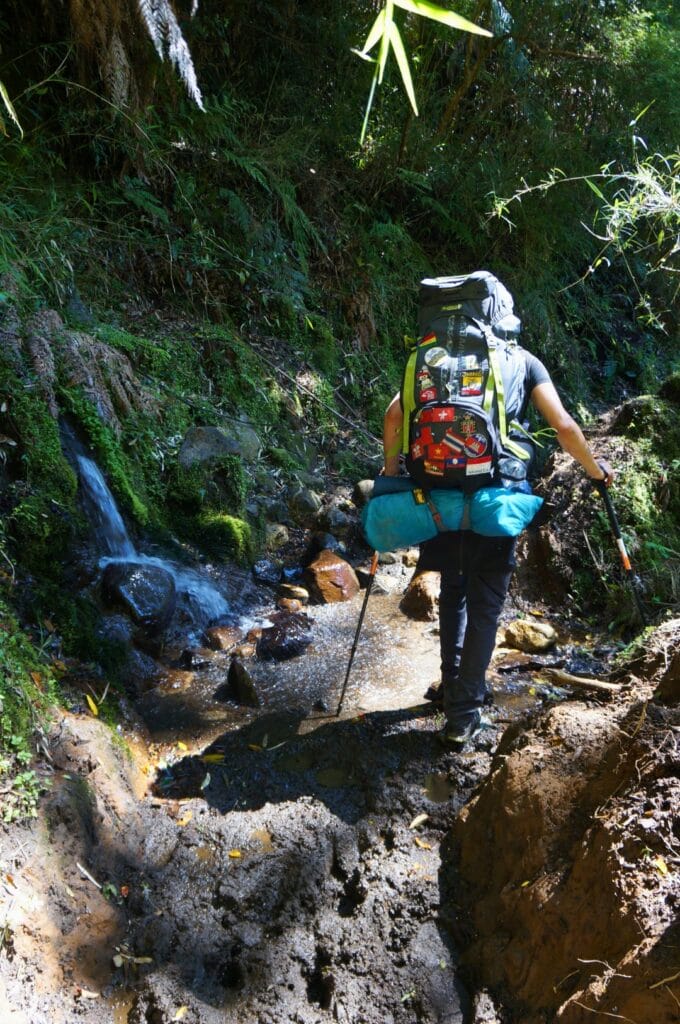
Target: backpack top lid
(480,296)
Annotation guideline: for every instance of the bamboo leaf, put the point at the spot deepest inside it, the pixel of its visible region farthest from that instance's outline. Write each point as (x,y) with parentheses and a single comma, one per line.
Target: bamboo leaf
(402,61)
(10,108)
(385,41)
(595,189)
(375,34)
(437,13)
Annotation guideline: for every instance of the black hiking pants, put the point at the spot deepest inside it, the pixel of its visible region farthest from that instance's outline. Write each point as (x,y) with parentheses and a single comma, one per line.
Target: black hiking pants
(475,575)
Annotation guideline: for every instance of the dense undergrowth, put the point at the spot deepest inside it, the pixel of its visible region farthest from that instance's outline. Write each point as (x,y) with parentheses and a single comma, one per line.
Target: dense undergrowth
(252,261)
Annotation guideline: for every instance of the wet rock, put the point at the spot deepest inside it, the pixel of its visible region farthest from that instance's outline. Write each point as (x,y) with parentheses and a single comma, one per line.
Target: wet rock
(363,492)
(194,658)
(303,503)
(336,520)
(484,1011)
(267,571)
(241,685)
(204,444)
(530,637)
(410,557)
(222,638)
(288,637)
(421,599)
(289,604)
(275,536)
(139,672)
(323,541)
(380,585)
(175,681)
(292,592)
(388,558)
(147,592)
(244,651)
(330,579)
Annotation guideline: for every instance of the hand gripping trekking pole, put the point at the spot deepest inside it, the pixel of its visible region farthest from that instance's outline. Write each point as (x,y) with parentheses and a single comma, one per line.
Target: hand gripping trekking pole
(369,584)
(625,560)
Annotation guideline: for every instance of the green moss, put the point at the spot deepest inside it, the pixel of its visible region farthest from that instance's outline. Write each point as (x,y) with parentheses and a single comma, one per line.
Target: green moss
(225,534)
(42,509)
(219,483)
(109,452)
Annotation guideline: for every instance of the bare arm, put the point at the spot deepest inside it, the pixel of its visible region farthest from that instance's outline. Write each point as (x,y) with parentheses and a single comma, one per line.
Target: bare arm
(394,418)
(569,434)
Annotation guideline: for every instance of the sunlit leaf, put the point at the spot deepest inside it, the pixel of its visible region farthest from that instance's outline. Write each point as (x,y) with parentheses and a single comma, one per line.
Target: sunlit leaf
(213,758)
(385,40)
(181,1013)
(186,819)
(181,745)
(375,34)
(4,95)
(595,189)
(419,819)
(402,62)
(422,844)
(235,854)
(440,14)
(91,704)
(660,865)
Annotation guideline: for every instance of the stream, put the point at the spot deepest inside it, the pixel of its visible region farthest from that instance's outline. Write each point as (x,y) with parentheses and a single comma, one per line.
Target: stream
(274,863)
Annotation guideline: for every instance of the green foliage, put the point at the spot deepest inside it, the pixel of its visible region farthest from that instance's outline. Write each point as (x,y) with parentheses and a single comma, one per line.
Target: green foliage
(226,535)
(107,447)
(27,690)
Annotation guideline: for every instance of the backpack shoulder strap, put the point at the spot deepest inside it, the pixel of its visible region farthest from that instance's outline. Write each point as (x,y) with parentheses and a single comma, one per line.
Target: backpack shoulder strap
(495,387)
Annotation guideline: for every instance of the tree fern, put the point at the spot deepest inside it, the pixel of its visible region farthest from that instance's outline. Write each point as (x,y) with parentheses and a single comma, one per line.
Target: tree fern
(163,27)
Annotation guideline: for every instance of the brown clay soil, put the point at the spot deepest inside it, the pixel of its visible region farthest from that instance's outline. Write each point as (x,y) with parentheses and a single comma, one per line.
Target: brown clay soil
(284,870)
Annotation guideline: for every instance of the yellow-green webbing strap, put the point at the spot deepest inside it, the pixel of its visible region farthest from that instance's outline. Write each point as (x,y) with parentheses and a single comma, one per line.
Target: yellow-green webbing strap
(408,398)
(495,383)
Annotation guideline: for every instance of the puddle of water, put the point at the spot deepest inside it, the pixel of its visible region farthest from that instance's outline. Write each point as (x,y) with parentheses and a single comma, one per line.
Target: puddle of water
(335,778)
(439,788)
(120,1006)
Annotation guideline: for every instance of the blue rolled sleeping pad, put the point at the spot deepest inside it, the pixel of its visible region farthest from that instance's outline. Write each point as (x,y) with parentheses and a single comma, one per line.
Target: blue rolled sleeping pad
(398,517)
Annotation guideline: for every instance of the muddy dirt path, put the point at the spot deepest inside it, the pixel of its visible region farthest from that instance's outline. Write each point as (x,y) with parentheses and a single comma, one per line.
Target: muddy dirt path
(254,865)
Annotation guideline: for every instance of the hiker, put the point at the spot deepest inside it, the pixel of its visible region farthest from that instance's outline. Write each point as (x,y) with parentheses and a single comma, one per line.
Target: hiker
(475,570)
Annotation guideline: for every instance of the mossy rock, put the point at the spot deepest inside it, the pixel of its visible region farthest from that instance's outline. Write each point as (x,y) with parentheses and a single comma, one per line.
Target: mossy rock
(226,535)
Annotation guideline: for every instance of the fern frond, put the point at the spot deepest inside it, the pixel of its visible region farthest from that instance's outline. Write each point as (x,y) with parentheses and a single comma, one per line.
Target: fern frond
(163,28)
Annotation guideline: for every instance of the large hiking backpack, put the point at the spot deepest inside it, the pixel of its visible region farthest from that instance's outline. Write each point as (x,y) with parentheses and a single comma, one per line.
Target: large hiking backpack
(461,379)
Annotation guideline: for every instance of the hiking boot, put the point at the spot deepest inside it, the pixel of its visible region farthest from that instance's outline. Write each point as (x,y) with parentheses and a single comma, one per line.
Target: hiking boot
(458,737)
(435,693)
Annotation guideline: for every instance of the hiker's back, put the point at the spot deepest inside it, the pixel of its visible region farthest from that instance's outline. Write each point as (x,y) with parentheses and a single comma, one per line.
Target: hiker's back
(463,384)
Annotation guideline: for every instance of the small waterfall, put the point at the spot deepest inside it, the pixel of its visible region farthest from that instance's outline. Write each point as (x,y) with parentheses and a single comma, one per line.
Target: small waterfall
(107,521)
(196,595)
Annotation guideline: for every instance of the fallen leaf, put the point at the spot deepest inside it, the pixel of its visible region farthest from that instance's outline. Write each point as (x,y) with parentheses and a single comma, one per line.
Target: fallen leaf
(117,960)
(419,819)
(661,865)
(422,844)
(124,891)
(85,993)
(181,1013)
(91,704)
(59,665)
(10,880)
(256,747)
(525,884)
(206,781)
(235,854)
(142,960)
(186,819)
(181,745)
(213,758)
(37,679)
(537,612)
(49,625)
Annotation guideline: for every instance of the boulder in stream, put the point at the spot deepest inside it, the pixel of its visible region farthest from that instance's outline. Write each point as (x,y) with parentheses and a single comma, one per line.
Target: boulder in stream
(330,579)
(287,637)
(529,636)
(147,592)
(240,686)
(421,599)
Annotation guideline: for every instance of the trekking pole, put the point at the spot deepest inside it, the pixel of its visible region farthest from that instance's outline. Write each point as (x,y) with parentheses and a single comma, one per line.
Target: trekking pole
(625,560)
(369,584)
